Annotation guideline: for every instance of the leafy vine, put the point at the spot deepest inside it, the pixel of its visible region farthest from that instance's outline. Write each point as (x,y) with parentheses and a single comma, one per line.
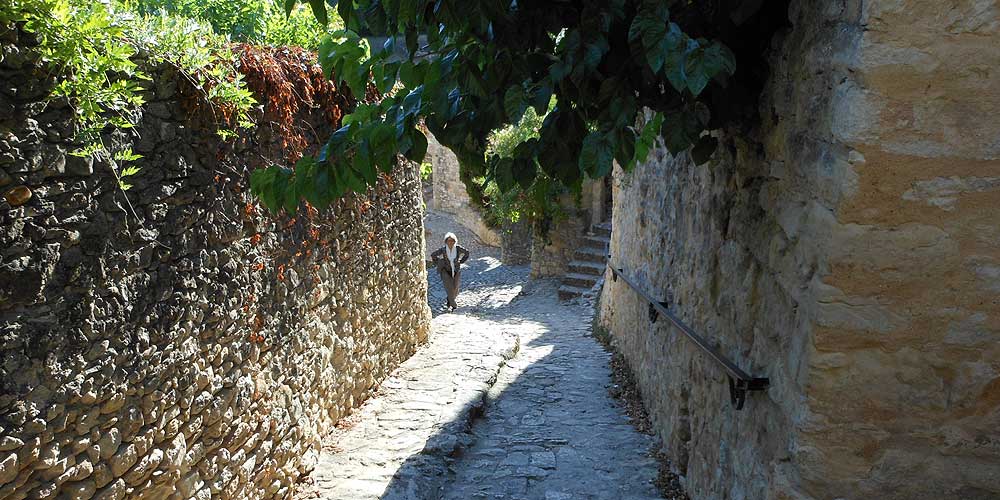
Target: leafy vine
(475,66)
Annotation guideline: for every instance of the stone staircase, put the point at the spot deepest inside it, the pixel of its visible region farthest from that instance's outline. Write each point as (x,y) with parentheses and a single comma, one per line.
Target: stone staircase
(589,262)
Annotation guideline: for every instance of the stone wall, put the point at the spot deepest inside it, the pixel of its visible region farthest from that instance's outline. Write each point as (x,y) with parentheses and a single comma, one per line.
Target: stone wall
(553,242)
(848,249)
(515,243)
(450,195)
(175,341)
(909,293)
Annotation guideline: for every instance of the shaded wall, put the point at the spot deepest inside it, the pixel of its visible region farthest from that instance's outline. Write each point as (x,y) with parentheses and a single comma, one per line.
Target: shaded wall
(175,341)
(847,248)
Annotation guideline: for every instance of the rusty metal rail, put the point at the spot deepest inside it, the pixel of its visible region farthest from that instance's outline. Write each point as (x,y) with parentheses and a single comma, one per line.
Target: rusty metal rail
(739,381)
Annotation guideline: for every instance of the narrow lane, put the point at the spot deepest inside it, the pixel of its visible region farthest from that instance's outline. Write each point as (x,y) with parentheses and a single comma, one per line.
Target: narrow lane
(551,431)
(508,400)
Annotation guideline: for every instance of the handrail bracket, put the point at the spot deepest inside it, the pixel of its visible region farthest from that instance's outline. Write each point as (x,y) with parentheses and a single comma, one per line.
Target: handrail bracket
(738,389)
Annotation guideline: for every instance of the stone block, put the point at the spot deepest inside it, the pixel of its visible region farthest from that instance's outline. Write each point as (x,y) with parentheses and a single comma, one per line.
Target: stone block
(81,490)
(8,467)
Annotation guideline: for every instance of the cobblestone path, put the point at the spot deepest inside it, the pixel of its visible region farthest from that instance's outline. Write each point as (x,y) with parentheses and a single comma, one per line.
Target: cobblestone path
(486,283)
(507,401)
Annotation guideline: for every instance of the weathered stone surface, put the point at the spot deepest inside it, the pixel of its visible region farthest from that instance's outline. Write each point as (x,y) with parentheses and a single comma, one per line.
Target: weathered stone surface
(845,249)
(108,445)
(8,467)
(18,195)
(181,343)
(554,242)
(82,490)
(550,428)
(113,491)
(515,243)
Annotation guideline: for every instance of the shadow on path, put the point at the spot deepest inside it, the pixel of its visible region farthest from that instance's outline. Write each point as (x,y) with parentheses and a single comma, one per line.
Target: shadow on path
(549,431)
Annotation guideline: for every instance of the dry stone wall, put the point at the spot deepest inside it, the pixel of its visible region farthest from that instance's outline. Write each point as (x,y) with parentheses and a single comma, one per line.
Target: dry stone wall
(175,341)
(515,243)
(847,249)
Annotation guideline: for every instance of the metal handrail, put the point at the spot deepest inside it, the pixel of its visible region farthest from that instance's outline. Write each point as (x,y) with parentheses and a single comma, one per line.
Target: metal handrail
(739,381)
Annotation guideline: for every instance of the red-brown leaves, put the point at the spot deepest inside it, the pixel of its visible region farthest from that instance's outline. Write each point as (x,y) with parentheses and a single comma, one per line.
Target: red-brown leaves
(290,84)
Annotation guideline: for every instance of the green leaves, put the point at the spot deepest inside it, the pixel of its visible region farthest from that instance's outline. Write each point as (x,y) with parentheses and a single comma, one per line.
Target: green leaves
(702,151)
(382,142)
(649,27)
(486,71)
(596,155)
(681,128)
(514,103)
(705,63)
(647,138)
(649,24)
(318,10)
(271,186)
(344,55)
(676,46)
(418,150)
(524,171)
(594,52)
(122,172)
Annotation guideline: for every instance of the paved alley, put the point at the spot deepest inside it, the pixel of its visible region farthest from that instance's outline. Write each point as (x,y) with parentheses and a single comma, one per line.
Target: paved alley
(508,400)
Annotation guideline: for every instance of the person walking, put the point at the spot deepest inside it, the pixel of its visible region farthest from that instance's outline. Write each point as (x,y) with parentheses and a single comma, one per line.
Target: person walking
(448,260)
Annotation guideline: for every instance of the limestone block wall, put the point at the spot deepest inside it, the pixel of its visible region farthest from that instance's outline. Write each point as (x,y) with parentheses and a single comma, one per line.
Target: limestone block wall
(175,341)
(847,249)
(449,193)
(903,384)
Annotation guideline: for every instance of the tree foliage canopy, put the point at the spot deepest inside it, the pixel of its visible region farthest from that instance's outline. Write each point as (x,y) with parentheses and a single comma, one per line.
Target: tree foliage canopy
(475,66)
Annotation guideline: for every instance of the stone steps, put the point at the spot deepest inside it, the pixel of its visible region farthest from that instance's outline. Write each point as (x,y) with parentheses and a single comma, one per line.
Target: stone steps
(586,267)
(589,262)
(598,242)
(591,255)
(580,280)
(567,292)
